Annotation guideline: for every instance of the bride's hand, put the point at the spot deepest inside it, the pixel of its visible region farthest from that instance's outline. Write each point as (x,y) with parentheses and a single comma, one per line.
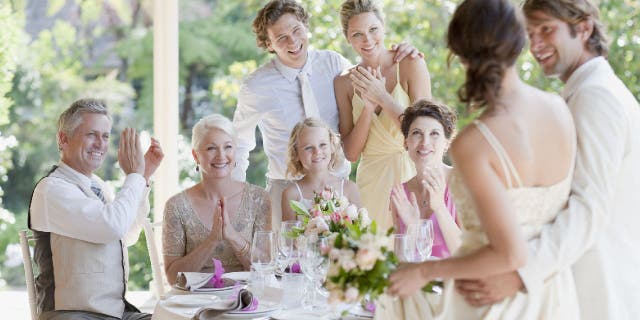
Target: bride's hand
(408,279)
(408,210)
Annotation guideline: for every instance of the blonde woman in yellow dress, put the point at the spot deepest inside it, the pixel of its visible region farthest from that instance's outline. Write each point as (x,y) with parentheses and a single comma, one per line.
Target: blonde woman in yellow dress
(371,96)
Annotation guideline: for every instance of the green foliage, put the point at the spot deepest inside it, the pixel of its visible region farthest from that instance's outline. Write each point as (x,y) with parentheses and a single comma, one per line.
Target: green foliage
(39,77)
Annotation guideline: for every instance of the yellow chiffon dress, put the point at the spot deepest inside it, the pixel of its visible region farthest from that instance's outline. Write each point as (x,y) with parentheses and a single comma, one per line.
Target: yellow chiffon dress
(384,162)
(534,207)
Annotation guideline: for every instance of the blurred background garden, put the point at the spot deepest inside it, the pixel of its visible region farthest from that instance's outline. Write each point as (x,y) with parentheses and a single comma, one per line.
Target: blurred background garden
(53,52)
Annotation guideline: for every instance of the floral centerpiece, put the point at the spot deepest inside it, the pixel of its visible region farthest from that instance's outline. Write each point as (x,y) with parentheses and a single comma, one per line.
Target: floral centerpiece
(360,264)
(329,213)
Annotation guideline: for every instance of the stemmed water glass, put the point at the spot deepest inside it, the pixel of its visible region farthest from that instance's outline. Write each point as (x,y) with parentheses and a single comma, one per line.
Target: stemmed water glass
(263,258)
(422,232)
(314,264)
(286,244)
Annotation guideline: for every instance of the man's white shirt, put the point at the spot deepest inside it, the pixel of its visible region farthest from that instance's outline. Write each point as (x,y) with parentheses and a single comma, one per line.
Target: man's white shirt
(64,208)
(271,99)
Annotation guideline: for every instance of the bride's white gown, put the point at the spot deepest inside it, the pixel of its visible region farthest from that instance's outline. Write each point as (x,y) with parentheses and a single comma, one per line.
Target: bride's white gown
(535,206)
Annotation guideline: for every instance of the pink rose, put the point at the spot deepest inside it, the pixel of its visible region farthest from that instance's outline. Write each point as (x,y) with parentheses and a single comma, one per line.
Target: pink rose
(366,258)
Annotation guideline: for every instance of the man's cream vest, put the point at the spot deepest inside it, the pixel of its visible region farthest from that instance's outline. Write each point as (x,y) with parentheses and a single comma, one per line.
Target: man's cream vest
(88,276)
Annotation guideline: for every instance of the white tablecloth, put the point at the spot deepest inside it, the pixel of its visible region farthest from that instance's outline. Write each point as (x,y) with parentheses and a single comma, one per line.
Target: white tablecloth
(167,309)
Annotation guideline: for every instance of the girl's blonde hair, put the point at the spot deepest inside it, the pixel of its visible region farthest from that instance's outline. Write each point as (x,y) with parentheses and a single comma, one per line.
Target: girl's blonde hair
(294,166)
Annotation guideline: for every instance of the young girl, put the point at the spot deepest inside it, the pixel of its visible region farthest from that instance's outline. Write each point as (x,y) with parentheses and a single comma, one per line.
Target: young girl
(314,153)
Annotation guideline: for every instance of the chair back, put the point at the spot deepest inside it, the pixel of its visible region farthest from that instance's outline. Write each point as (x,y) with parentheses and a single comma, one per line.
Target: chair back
(159,281)
(25,237)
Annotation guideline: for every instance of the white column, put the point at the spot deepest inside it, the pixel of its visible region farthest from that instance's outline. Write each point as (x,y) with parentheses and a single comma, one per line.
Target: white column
(165,99)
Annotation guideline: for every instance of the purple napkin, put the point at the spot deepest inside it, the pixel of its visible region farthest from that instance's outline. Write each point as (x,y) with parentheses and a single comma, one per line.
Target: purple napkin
(295,268)
(370,306)
(216,281)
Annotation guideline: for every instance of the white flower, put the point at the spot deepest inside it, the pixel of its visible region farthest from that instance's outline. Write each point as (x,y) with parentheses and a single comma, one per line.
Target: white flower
(383,241)
(364,216)
(321,224)
(366,258)
(316,225)
(342,202)
(346,259)
(369,251)
(334,254)
(351,295)
(351,212)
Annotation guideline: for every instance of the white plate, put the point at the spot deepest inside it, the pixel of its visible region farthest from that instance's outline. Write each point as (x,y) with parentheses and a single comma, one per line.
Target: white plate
(214,289)
(262,308)
(189,300)
(238,276)
(299,313)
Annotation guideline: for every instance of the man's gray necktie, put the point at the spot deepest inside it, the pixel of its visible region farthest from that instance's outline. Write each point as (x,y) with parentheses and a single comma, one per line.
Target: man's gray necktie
(95,187)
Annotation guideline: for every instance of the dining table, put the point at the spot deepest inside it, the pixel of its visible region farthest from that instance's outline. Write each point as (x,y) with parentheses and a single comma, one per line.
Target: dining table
(273,304)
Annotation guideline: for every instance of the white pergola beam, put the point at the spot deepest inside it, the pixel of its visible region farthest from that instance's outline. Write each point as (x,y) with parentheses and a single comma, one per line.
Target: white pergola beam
(165,99)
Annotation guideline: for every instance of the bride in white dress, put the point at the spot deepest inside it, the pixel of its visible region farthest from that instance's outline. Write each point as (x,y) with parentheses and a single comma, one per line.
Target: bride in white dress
(512,174)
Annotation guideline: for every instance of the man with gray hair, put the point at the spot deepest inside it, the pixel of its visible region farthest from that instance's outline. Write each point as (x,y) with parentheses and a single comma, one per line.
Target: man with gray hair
(81,228)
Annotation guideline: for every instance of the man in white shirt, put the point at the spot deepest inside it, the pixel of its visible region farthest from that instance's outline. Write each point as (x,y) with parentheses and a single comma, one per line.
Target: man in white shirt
(598,234)
(272,96)
(81,228)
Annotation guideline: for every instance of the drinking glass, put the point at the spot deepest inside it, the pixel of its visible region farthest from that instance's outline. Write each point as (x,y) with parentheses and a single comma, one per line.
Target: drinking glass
(292,289)
(402,247)
(286,244)
(423,235)
(314,264)
(263,258)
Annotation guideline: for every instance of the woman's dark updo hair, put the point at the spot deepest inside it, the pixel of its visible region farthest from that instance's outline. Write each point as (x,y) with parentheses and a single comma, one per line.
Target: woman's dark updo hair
(426,108)
(488,36)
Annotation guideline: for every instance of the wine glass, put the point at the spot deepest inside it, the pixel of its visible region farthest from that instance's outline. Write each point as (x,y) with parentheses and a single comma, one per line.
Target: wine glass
(402,247)
(315,265)
(263,258)
(286,244)
(422,231)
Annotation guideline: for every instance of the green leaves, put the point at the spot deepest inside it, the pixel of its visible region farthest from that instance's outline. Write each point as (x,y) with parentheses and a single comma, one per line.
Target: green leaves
(299,208)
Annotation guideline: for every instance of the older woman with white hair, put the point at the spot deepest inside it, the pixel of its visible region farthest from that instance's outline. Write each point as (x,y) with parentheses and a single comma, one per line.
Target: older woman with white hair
(216,218)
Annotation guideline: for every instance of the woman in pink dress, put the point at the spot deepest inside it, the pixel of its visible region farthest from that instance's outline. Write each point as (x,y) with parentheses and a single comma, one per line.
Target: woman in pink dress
(428,129)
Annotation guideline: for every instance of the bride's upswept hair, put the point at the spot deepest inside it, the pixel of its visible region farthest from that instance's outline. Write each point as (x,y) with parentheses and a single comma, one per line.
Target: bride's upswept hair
(488,36)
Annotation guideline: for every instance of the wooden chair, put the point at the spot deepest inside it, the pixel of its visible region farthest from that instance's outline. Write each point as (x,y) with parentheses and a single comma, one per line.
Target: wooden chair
(25,237)
(159,282)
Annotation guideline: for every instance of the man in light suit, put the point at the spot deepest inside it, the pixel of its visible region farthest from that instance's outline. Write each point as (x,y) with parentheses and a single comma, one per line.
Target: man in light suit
(599,233)
(82,228)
